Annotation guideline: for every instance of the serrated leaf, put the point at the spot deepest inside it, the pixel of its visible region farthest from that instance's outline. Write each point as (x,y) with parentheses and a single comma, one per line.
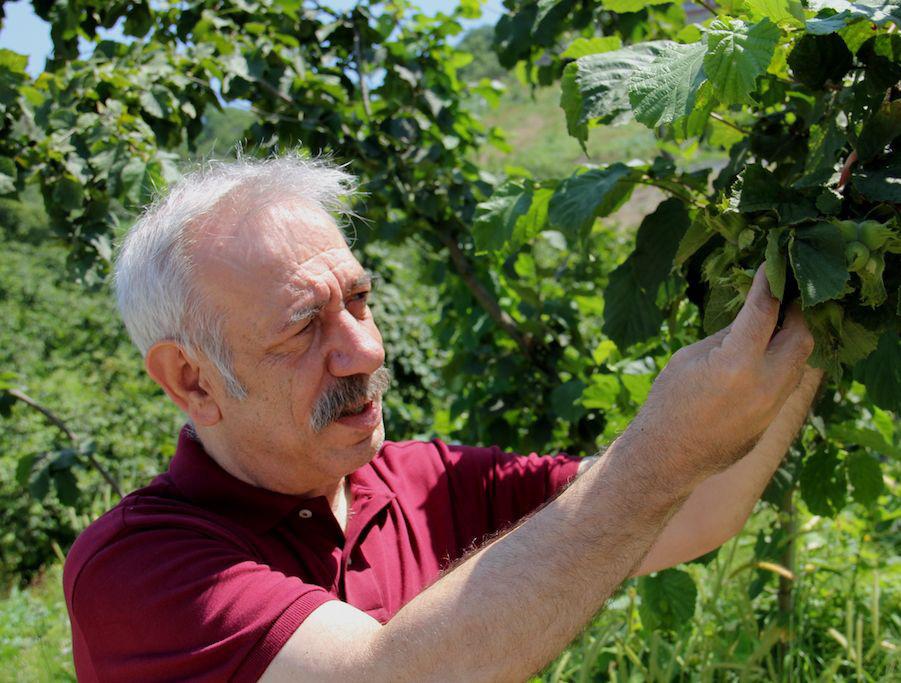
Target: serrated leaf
(736,55)
(788,12)
(817,61)
(879,130)
(823,146)
(872,286)
(865,476)
(823,482)
(817,255)
(881,55)
(720,308)
(495,218)
(879,184)
(668,600)
(595,87)
(880,373)
(776,262)
(666,88)
(759,190)
(857,342)
(580,199)
(582,47)
(630,313)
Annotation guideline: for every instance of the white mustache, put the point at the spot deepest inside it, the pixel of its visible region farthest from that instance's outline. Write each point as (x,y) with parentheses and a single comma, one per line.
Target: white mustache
(347,393)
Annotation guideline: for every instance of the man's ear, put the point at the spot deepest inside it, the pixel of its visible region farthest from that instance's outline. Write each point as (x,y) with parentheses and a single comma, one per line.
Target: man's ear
(180,377)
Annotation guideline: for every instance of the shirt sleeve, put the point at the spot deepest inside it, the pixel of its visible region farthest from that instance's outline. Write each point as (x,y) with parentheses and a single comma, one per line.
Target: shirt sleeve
(492,489)
(202,609)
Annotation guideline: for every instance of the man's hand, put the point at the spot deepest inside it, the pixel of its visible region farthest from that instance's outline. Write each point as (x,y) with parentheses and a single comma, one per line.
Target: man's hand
(715,398)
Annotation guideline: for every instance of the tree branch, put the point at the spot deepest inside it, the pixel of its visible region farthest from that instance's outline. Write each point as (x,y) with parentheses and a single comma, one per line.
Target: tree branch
(729,123)
(706,5)
(482,295)
(57,422)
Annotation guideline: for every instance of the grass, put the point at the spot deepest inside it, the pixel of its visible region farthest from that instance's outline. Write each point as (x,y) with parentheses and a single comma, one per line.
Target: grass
(35,640)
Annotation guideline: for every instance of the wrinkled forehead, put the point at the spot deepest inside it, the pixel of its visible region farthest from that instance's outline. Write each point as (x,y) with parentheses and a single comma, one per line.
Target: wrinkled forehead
(251,251)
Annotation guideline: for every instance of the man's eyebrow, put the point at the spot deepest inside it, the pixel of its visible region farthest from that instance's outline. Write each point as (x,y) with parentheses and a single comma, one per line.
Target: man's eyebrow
(300,315)
(367,279)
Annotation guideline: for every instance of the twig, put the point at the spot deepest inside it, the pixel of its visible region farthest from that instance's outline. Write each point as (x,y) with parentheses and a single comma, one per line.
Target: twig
(743,131)
(710,8)
(64,428)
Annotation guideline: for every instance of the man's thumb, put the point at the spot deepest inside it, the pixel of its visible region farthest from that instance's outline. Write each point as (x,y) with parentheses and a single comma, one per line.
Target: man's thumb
(757,318)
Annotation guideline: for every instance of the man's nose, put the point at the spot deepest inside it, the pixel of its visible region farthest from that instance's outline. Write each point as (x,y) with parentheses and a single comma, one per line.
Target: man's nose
(356,346)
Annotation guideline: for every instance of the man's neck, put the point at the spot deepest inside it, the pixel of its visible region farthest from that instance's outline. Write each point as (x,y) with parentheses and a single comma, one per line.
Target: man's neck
(338,495)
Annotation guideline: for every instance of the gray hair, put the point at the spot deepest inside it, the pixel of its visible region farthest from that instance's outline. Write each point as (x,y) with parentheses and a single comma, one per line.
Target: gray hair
(154,278)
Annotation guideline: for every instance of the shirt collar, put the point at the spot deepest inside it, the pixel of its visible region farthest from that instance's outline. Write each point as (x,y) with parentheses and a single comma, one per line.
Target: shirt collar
(203,481)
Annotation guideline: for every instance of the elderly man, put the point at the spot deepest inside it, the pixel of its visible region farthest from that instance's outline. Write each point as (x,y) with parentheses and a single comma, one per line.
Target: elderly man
(289,541)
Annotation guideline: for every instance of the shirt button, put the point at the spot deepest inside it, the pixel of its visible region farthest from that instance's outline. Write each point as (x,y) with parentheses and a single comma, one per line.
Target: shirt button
(304,514)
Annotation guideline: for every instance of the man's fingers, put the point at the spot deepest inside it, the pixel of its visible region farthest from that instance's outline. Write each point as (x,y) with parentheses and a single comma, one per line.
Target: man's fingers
(793,344)
(753,326)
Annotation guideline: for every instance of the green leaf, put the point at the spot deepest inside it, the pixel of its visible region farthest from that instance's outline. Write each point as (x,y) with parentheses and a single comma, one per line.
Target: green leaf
(601,392)
(580,199)
(66,487)
(40,485)
(630,313)
(697,235)
(24,468)
(665,89)
(881,184)
(495,218)
(817,61)
(872,287)
(865,476)
(668,600)
(822,163)
(823,481)
(720,308)
(595,87)
(565,400)
(776,264)
(789,12)
(623,6)
(582,47)
(759,190)
(879,130)
(817,254)
(736,55)
(857,342)
(882,56)
(850,435)
(880,373)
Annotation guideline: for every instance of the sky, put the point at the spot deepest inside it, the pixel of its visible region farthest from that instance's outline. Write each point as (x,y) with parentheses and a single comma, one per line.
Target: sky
(26,34)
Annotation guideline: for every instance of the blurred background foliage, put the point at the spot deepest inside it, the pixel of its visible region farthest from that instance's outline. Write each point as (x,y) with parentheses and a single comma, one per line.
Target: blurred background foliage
(493,316)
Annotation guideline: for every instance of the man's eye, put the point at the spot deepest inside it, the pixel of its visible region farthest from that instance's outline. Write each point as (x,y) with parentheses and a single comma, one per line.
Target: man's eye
(360,296)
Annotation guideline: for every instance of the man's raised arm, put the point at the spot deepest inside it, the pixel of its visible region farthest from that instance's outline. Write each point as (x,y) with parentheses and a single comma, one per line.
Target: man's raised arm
(515,604)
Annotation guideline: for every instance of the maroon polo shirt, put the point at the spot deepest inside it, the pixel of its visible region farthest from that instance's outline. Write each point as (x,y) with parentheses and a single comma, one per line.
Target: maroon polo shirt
(202,577)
